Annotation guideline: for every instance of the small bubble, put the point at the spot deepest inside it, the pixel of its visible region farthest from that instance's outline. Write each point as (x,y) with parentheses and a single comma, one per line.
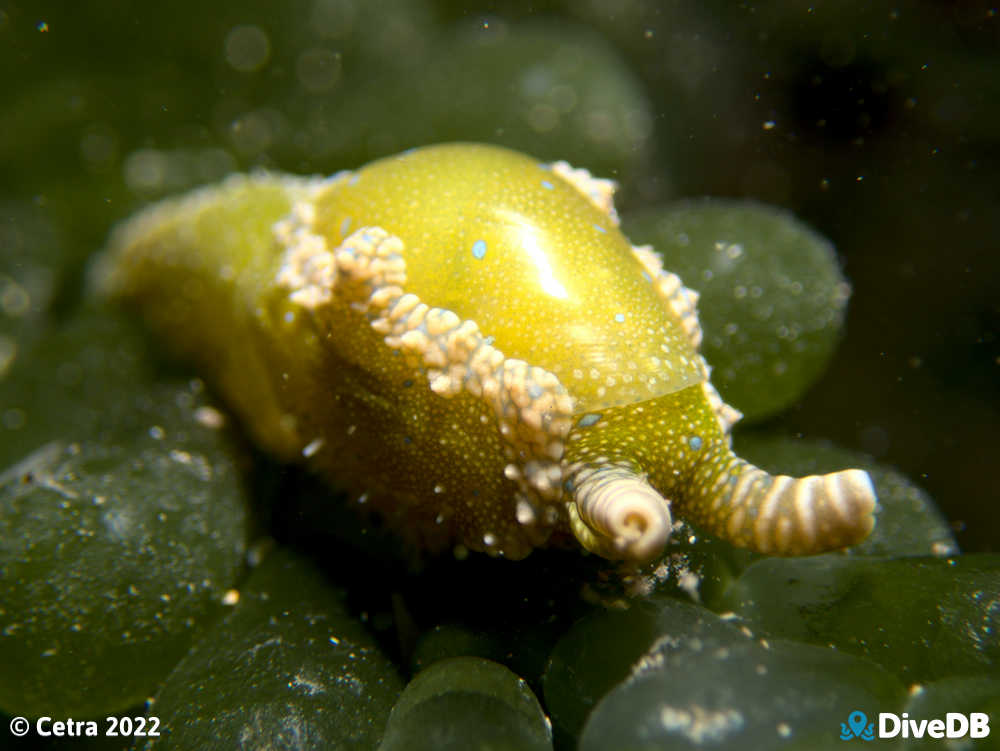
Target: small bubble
(181,457)
(247,48)
(318,70)
(312,448)
(14,418)
(542,118)
(145,169)
(252,132)
(209,417)
(599,125)
(563,97)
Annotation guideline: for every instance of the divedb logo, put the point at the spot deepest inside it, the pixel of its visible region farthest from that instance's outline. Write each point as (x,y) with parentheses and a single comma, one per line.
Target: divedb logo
(953,725)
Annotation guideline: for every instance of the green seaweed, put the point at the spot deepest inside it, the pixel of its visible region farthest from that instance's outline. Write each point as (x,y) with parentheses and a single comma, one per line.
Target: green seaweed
(290,667)
(121,526)
(467,703)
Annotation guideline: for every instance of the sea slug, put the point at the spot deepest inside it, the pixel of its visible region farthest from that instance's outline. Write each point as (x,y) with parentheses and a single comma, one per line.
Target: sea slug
(463,338)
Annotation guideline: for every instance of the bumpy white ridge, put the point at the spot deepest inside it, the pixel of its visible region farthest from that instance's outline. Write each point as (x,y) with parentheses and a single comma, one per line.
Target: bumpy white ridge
(598,190)
(682,301)
(368,270)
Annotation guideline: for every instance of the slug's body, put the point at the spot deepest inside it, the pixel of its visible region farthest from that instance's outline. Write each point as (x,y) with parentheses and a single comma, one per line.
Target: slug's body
(463,338)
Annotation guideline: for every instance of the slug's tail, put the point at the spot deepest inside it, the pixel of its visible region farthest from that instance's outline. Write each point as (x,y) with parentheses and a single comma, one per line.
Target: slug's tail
(781,515)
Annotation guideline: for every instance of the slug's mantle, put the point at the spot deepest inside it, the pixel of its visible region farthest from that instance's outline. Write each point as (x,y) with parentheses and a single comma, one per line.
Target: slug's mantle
(463,338)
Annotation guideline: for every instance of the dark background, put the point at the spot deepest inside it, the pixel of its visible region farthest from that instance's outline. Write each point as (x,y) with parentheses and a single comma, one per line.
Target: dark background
(877,123)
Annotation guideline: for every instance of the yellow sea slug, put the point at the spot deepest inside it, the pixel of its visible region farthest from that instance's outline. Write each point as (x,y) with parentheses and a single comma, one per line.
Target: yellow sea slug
(463,338)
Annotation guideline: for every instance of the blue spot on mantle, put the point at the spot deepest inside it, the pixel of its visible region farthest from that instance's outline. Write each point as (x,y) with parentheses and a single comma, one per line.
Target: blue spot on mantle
(599,228)
(479,249)
(619,317)
(344,226)
(546,184)
(694,442)
(587,420)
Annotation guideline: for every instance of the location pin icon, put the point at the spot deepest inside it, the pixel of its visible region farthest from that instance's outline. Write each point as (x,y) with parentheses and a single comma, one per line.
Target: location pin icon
(857,721)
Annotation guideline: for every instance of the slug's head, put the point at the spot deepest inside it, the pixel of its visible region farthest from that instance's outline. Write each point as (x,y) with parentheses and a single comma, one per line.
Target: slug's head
(635,465)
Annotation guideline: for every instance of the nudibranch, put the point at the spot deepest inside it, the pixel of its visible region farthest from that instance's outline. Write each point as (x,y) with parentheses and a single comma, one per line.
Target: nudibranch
(463,338)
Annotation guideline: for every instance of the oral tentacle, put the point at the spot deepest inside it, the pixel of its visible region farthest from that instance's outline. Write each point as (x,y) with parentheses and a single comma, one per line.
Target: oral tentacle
(614,512)
(778,514)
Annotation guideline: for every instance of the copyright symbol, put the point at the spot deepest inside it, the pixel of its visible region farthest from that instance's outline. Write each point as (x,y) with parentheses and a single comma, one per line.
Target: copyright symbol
(20,726)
